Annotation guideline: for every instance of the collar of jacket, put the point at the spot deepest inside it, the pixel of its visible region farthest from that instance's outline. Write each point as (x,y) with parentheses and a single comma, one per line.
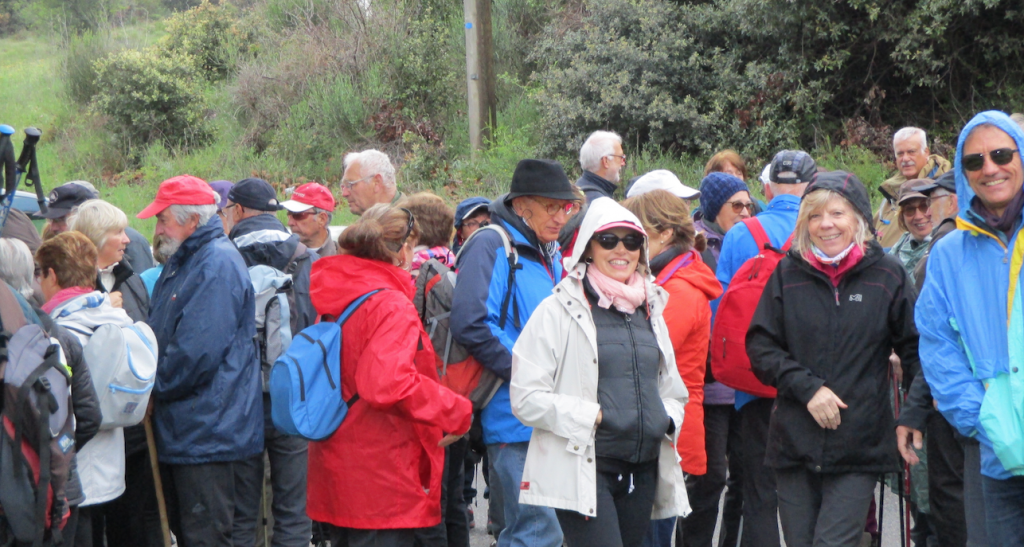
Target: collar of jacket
(872,253)
(784,202)
(213,229)
(255,224)
(592,181)
(122,271)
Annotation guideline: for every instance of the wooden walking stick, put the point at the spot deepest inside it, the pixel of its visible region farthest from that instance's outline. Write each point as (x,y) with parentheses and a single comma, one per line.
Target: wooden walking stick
(161,504)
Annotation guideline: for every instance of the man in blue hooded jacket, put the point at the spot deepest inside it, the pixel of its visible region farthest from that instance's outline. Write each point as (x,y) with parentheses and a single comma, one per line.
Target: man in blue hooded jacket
(207,408)
(969,317)
(493,308)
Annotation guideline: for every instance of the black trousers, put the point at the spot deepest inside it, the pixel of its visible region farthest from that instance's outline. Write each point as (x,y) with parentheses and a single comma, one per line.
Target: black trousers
(824,509)
(624,503)
(351,537)
(722,444)
(760,502)
(200,503)
(453,530)
(946,483)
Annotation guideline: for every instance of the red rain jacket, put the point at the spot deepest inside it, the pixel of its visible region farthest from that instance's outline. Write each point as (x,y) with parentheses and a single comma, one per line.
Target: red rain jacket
(382,468)
(691,289)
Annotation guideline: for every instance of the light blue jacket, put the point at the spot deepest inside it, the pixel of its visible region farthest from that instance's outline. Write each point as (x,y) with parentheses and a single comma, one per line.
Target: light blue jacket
(963,319)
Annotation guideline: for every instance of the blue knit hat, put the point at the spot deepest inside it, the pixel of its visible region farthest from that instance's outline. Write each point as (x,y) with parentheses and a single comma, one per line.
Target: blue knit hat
(715,190)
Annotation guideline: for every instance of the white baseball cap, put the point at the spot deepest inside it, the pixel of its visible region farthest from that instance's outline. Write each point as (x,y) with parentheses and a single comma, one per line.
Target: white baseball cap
(662,179)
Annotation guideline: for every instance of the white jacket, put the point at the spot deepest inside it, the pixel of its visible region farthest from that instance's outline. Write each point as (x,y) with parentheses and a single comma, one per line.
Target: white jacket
(554,390)
(101,463)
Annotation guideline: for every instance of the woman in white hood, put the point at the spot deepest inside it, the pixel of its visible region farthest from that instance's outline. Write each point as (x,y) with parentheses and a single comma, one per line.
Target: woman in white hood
(594,374)
(67,276)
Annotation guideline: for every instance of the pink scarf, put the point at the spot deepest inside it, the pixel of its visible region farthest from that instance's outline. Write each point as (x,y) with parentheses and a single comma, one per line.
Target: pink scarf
(626,297)
(64,295)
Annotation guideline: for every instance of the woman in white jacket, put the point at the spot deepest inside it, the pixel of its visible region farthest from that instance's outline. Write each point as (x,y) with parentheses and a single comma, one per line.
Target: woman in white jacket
(594,374)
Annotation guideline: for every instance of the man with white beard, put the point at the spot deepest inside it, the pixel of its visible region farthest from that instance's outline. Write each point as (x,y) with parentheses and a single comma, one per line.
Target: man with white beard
(914,161)
(207,402)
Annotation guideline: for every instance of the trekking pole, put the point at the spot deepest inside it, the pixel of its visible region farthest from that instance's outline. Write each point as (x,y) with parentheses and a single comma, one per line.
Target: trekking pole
(161,504)
(26,165)
(8,172)
(881,509)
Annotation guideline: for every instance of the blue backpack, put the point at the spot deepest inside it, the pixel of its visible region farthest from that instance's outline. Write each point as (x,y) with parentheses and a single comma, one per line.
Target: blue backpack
(305,382)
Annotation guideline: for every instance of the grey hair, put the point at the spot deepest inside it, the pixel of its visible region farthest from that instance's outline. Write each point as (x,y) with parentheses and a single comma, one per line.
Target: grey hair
(598,145)
(182,213)
(908,132)
(17,266)
(816,201)
(96,219)
(1018,119)
(88,186)
(330,214)
(375,162)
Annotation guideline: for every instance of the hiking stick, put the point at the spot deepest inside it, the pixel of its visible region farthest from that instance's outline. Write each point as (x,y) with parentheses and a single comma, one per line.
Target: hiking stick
(161,504)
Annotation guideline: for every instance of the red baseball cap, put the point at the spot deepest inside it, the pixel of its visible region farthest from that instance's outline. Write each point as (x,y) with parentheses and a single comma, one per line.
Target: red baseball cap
(180,190)
(310,195)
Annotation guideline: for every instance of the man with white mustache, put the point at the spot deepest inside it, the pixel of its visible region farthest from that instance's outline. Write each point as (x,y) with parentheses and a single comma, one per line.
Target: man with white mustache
(914,161)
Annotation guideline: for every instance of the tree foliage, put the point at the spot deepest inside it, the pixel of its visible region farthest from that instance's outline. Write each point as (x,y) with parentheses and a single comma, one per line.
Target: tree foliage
(758,74)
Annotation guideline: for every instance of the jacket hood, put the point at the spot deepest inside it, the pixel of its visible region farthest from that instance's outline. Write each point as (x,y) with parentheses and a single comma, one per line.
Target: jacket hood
(601,212)
(964,193)
(262,239)
(91,310)
(337,281)
(466,206)
(697,274)
(846,185)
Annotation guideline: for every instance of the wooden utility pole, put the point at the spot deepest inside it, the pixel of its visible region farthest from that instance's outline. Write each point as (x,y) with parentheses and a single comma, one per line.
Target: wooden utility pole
(483,99)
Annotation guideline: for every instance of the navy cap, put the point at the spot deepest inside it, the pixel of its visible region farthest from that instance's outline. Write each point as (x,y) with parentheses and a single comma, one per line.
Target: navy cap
(66,197)
(255,194)
(792,161)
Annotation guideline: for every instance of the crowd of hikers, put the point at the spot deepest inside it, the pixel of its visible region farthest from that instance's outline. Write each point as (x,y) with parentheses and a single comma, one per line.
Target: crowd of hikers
(618,367)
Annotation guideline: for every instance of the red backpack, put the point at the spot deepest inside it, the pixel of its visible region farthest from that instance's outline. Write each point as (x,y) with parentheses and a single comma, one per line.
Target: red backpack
(729,362)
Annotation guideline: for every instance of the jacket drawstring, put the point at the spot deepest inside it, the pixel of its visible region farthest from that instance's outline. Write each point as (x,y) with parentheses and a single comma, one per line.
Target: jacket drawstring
(631,485)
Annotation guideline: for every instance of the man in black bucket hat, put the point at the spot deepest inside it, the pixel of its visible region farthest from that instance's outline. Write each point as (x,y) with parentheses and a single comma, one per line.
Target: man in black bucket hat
(496,293)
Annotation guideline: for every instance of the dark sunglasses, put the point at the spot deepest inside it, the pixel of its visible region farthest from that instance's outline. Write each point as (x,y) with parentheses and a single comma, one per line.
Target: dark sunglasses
(303,215)
(974,162)
(911,210)
(739,206)
(408,229)
(609,241)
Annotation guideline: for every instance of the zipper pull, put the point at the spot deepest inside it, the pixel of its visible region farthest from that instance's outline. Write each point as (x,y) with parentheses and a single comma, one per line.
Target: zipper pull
(836,291)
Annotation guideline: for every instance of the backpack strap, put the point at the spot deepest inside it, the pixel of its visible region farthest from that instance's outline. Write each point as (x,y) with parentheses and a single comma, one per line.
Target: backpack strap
(512,255)
(344,318)
(757,230)
(789,242)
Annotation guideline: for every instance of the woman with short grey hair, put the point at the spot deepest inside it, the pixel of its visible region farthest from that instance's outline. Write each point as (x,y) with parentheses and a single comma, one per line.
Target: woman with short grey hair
(17,266)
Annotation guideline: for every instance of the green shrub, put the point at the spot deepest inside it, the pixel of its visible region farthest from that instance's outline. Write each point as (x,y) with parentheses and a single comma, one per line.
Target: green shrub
(208,34)
(150,96)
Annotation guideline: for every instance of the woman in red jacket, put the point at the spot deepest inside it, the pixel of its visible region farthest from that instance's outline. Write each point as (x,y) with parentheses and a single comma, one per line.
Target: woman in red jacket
(675,248)
(378,477)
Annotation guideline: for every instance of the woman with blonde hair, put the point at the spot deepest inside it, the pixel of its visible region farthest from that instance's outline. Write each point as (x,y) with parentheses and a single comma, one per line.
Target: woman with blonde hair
(387,457)
(594,375)
(831,314)
(675,248)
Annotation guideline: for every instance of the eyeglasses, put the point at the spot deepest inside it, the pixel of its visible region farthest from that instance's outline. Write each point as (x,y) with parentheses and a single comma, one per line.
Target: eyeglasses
(349,185)
(620,156)
(912,209)
(974,162)
(474,224)
(303,215)
(570,208)
(739,206)
(408,229)
(609,241)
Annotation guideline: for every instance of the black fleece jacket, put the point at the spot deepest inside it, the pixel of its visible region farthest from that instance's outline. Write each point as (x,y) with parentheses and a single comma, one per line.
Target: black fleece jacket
(807,334)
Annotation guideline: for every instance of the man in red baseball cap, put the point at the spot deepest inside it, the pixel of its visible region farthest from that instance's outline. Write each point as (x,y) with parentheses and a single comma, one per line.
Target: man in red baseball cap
(207,403)
(310,211)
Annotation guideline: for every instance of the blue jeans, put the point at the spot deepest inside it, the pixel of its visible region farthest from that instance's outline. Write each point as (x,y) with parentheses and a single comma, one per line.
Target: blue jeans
(660,533)
(1004,511)
(287,455)
(525,525)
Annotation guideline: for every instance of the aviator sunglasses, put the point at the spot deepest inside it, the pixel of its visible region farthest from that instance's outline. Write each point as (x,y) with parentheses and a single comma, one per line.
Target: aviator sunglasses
(632,242)
(974,162)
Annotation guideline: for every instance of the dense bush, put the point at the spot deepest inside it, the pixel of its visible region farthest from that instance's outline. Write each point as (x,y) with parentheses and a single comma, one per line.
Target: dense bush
(152,96)
(207,33)
(759,74)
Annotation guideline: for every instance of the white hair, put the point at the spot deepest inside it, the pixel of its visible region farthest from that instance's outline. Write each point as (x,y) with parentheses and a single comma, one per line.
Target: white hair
(182,213)
(909,132)
(96,219)
(17,266)
(330,214)
(373,162)
(599,144)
